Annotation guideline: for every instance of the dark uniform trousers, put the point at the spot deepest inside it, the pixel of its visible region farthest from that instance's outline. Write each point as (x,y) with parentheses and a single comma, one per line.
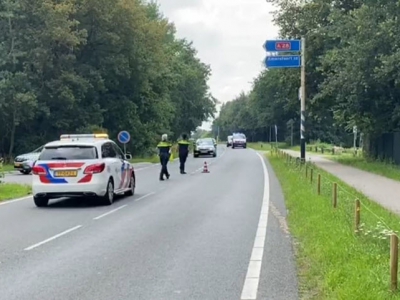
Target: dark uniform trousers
(164,154)
(164,159)
(183,148)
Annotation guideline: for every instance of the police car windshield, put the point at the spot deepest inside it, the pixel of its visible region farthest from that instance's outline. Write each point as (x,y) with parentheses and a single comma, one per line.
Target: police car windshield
(70,152)
(239,136)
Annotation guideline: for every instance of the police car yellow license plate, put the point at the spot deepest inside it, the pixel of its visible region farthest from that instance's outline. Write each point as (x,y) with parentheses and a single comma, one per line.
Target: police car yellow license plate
(66,173)
(17,165)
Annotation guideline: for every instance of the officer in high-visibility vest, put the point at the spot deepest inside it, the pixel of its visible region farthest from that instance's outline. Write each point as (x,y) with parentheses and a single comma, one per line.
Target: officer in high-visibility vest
(164,148)
(183,149)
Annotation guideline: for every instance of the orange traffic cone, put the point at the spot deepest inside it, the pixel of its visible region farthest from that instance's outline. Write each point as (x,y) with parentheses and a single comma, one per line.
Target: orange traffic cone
(205,168)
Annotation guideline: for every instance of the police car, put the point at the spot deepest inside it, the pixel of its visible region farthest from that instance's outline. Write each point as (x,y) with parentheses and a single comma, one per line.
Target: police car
(82,165)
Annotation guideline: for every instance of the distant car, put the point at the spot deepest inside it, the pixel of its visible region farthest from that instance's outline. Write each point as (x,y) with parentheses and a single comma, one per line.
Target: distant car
(82,165)
(239,140)
(215,142)
(229,141)
(205,146)
(27,166)
(21,162)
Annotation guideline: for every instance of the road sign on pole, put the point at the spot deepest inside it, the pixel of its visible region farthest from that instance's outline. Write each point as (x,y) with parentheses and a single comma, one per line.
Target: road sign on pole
(283,61)
(303,102)
(283,46)
(124,137)
(291,61)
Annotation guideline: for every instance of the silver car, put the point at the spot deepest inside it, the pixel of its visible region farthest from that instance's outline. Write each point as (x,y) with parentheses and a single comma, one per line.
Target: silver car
(205,146)
(24,162)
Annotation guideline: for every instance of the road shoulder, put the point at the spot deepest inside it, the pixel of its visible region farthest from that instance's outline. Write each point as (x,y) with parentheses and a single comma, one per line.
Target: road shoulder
(278,272)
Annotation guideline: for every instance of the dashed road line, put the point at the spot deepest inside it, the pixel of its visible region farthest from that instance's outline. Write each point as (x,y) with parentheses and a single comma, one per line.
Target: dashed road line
(208,164)
(144,196)
(250,288)
(110,212)
(53,238)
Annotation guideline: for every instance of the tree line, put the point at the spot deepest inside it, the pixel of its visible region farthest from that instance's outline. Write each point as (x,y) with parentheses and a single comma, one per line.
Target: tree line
(352,75)
(80,66)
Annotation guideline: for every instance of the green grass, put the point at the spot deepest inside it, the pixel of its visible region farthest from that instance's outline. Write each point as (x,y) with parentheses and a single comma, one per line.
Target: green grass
(11,191)
(7,168)
(333,261)
(388,170)
(260,146)
(154,158)
(151,159)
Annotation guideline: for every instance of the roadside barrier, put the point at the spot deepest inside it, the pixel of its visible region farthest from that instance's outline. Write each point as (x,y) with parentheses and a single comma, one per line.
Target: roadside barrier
(364,223)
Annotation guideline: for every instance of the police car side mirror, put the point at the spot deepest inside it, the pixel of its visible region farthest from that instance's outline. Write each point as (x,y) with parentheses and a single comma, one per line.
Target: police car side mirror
(128,156)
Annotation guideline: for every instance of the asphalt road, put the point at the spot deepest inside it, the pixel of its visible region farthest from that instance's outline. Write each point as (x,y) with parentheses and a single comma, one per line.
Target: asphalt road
(17,177)
(197,236)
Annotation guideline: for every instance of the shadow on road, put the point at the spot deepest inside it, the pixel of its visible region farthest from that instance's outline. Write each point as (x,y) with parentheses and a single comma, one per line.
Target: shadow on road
(75,203)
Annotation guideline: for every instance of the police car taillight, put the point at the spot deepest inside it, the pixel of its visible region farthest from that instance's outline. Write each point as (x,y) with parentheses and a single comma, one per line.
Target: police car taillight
(95,169)
(38,170)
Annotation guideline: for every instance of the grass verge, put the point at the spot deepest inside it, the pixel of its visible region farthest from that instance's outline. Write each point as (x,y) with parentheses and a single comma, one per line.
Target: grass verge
(259,146)
(12,191)
(333,261)
(154,158)
(381,168)
(6,168)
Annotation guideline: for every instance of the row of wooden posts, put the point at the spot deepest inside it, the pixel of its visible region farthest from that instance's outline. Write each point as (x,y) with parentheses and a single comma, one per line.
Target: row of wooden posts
(394,240)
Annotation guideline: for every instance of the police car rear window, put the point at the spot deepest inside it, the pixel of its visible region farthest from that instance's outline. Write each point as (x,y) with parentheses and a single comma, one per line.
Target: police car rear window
(69,152)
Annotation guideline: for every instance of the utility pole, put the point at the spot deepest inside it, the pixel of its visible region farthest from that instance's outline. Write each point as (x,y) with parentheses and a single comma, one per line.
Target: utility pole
(291,135)
(270,133)
(303,102)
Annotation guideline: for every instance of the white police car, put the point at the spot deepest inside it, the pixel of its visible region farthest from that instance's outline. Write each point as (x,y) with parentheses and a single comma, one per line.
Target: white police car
(82,165)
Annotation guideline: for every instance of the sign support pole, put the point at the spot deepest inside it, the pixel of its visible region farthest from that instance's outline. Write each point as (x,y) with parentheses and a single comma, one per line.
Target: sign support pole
(303,102)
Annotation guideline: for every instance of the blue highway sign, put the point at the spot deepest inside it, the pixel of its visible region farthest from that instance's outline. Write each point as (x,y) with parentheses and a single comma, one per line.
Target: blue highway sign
(283,46)
(124,137)
(283,61)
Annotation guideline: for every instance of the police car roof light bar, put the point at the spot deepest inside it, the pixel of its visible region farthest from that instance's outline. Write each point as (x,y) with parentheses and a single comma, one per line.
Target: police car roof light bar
(84,136)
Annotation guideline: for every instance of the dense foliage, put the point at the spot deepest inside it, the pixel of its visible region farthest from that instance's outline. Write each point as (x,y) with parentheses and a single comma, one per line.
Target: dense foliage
(78,66)
(352,63)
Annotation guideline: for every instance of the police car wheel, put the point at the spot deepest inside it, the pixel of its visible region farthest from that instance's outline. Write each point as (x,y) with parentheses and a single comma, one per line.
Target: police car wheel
(41,201)
(132,186)
(108,198)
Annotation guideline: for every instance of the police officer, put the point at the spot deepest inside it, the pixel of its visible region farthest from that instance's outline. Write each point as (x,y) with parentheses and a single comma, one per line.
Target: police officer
(183,146)
(164,148)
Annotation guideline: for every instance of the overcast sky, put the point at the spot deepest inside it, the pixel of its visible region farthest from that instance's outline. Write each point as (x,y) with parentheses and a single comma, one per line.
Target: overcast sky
(228,35)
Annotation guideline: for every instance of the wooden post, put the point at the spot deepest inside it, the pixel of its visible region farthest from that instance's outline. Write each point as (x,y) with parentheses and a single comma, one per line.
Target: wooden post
(306,171)
(334,200)
(394,261)
(357,216)
(311,175)
(319,184)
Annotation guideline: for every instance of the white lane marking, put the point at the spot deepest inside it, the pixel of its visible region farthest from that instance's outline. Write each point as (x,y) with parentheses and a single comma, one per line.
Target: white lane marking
(208,163)
(53,238)
(144,196)
(250,288)
(110,212)
(15,200)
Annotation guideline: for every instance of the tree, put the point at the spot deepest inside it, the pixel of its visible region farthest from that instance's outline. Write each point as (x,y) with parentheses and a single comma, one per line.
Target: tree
(352,78)
(79,65)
